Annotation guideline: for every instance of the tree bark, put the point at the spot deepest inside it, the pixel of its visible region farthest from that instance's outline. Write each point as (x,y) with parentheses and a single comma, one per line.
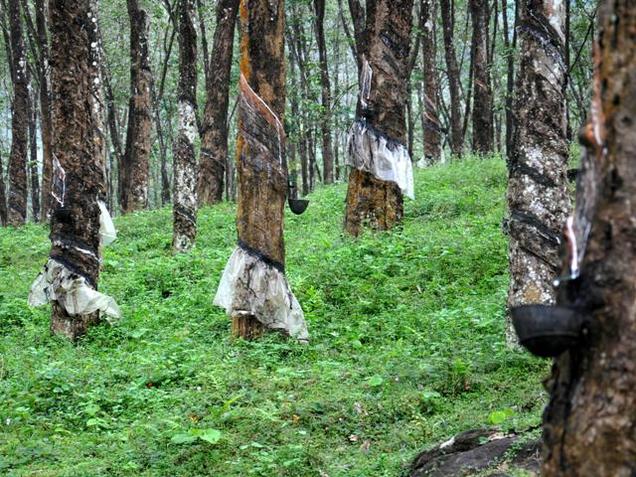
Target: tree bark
(184,160)
(430,120)
(483,132)
(214,135)
(380,112)
(452,69)
(325,83)
(538,199)
(135,169)
(17,205)
(590,424)
(79,177)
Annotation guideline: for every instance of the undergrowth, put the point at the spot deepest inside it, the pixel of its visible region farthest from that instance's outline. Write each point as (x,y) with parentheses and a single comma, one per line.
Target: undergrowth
(406,347)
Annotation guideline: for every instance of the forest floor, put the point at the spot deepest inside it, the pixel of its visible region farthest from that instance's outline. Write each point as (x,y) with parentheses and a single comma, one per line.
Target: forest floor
(406,347)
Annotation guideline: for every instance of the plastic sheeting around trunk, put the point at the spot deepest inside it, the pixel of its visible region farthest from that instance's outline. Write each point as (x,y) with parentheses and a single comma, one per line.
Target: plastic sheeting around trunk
(250,285)
(107,232)
(71,291)
(388,160)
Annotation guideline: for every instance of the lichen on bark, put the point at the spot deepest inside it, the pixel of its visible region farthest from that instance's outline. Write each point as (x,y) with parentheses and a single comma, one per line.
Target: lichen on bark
(538,199)
(184,206)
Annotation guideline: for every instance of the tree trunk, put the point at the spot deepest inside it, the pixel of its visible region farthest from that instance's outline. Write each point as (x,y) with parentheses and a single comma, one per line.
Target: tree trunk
(452,68)
(17,210)
(430,121)
(214,134)
(41,13)
(538,199)
(325,126)
(482,86)
(134,171)
(380,119)
(358,16)
(253,289)
(79,170)
(33,161)
(590,424)
(3,197)
(510,72)
(184,205)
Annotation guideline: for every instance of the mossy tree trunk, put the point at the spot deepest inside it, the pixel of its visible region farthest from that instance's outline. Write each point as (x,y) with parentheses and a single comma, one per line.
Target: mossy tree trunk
(77,146)
(184,205)
(538,199)
(135,168)
(213,157)
(590,422)
(384,55)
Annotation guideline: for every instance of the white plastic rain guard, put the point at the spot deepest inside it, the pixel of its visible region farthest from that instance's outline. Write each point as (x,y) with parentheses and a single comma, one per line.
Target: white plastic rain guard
(385,159)
(250,285)
(70,290)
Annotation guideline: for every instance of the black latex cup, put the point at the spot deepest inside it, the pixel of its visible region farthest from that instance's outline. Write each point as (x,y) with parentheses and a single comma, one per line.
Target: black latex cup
(546,331)
(298,206)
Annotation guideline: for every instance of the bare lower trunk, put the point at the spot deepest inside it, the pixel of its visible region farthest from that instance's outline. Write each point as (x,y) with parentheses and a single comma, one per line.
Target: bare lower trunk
(17,206)
(590,423)
(482,89)
(184,204)
(135,171)
(79,173)
(430,121)
(452,69)
(325,126)
(214,134)
(538,200)
(373,200)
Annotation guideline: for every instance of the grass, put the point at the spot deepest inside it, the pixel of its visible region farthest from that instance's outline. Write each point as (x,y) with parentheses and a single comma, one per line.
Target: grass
(407,347)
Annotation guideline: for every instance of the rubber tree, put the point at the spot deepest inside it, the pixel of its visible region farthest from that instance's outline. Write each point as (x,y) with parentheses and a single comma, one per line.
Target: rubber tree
(213,156)
(538,199)
(325,84)
(483,132)
(430,119)
(135,168)
(590,423)
(381,167)
(17,200)
(253,289)
(80,223)
(184,204)
(453,73)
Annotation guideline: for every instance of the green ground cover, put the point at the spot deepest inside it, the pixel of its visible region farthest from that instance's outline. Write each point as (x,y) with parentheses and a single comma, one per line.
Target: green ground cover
(407,347)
